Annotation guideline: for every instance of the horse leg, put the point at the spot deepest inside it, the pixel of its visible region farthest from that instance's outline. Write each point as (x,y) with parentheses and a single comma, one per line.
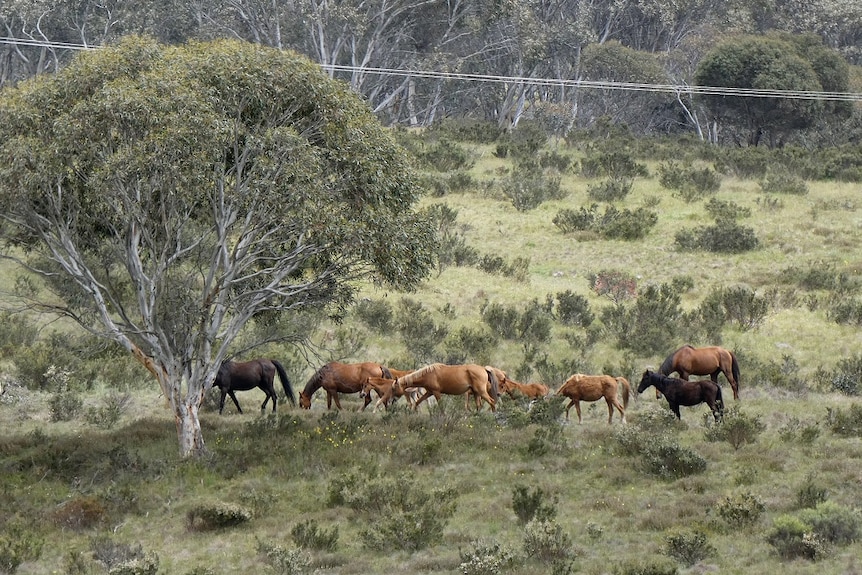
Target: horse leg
(611,404)
(675,408)
(578,409)
(233,397)
(221,401)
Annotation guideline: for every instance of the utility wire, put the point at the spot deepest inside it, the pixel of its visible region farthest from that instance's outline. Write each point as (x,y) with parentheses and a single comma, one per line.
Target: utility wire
(555,82)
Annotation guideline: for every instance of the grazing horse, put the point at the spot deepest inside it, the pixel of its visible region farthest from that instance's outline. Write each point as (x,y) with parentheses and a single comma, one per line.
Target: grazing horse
(336,377)
(243,376)
(710,361)
(439,379)
(681,392)
(531,390)
(580,387)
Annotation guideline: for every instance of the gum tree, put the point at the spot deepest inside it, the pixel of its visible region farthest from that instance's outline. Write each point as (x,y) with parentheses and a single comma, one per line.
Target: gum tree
(172,198)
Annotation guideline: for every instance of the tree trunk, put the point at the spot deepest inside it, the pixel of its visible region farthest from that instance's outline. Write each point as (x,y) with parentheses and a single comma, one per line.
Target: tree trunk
(189,428)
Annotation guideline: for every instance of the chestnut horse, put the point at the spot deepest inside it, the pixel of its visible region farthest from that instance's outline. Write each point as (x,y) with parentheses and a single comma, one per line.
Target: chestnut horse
(243,376)
(580,387)
(384,388)
(439,379)
(531,390)
(336,377)
(681,392)
(710,361)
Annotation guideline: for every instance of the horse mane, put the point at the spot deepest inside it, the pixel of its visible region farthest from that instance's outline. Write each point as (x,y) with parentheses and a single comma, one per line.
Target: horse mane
(667,366)
(411,377)
(315,381)
(386,373)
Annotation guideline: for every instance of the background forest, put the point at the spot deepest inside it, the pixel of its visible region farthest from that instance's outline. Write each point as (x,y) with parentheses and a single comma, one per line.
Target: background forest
(588,229)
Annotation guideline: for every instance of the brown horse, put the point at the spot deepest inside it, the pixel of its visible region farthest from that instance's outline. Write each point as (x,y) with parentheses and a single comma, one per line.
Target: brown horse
(580,387)
(336,377)
(681,392)
(441,379)
(710,361)
(385,390)
(531,390)
(243,376)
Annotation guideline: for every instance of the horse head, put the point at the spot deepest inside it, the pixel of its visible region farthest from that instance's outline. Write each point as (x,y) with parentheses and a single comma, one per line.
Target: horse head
(304,400)
(646,381)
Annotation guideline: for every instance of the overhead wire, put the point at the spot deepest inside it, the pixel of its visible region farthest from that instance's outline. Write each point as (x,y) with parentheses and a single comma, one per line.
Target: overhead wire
(537,81)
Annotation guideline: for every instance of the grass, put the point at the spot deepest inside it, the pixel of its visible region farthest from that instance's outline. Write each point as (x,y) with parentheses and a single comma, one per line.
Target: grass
(614,511)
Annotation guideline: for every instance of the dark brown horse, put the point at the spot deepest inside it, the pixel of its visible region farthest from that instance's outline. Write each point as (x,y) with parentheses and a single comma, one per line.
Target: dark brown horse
(336,377)
(681,392)
(580,387)
(710,361)
(440,379)
(243,376)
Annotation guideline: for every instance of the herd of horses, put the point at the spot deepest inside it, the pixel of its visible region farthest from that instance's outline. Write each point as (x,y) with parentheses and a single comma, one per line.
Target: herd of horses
(486,383)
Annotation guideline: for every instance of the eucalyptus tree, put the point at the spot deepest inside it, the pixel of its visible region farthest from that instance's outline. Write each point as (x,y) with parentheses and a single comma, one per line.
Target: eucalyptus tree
(171,197)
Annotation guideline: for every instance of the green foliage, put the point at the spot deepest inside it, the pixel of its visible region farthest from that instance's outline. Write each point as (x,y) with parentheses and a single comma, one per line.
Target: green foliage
(16,332)
(485,558)
(612,224)
(78,513)
(532,504)
(65,406)
(19,542)
(721,210)
(811,493)
(740,510)
(665,458)
(791,538)
(376,314)
(546,541)
(573,309)
(444,155)
(123,558)
(610,190)
(613,163)
(647,566)
(648,326)
(284,561)
(418,331)
(833,523)
(689,183)
(108,414)
(846,378)
(618,285)
(783,182)
(737,428)
(208,516)
(688,548)
(529,186)
(471,343)
(723,237)
(309,535)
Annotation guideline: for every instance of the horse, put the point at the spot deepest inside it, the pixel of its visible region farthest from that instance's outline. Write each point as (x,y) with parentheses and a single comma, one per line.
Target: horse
(710,361)
(336,377)
(385,390)
(439,379)
(580,387)
(681,392)
(243,376)
(531,390)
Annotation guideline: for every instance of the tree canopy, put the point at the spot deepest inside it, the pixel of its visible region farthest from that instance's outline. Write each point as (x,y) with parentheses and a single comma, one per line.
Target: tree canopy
(170,197)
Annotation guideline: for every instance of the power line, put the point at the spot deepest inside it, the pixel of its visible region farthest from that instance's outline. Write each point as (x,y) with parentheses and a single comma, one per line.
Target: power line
(551,82)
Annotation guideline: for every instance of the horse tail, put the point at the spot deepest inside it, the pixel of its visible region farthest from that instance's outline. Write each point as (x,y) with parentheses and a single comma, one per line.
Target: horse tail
(285,382)
(627,390)
(495,385)
(386,373)
(734,367)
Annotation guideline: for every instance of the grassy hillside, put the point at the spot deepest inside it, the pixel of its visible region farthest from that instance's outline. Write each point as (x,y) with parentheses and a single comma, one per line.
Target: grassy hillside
(440,491)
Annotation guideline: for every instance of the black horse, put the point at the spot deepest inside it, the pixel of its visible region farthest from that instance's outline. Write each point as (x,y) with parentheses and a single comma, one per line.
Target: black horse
(681,392)
(243,376)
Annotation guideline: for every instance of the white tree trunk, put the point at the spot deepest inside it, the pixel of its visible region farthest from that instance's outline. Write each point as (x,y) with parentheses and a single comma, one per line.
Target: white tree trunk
(189,428)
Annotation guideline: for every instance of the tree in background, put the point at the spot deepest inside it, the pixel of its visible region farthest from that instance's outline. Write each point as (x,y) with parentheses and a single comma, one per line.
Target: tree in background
(770,63)
(173,199)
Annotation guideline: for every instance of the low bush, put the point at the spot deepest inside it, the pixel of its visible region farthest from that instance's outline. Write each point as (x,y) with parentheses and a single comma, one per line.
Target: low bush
(647,566)
(573,309)
(667,459)
(726,237)
(740,510)
(737,428)
(792,538)
(688,548)
(18,543)
(610,190)
(284,561)
(530,504)
(485,558)
(546,541)
(308,535)
(80,513)
(834,523)
(216,515)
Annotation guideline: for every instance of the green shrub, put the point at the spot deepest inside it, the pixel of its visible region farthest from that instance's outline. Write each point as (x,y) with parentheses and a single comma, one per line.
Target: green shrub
(485,558)
(573,309)
(419,333)
(648,326)
(18,543)
(546,541)
(615,163)
(616,285)
(811,493)
(846,422)
(80,513)
(568,220)
(647,566)
(216,515)
(445,155)
(688,548)
(626,224)
(502,319)
(16,332)
(529,186)
(781,181)
(834,523)
(689,183)
(847,376)
(123,558)
(308,535)
(739,305)
(108,414)
(284,561)
(725,237)
(667,459)
(530,504)
(737,428)
(610,190)
(471,343)
(740,510)
(791,538)
(376,314)
(726,210)
(65,406)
